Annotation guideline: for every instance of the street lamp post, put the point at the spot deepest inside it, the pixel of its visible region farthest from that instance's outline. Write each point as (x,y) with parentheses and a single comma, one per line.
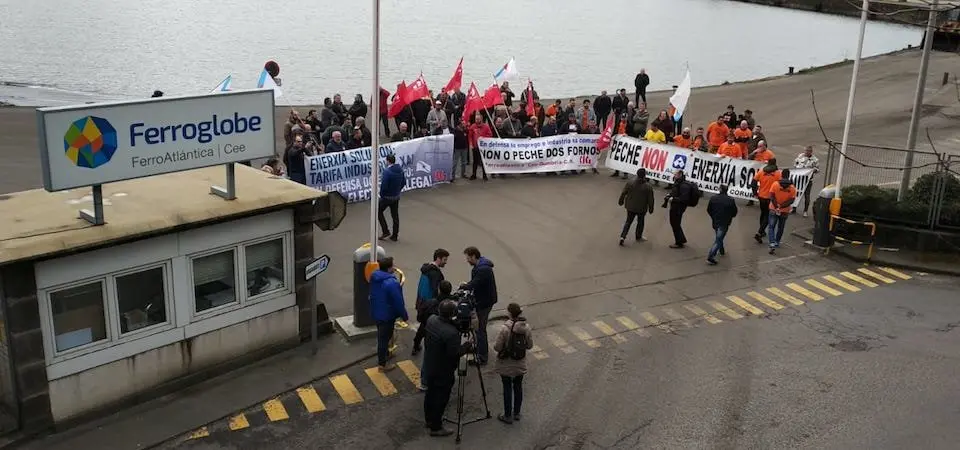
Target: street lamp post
(375,135)
(917,103)
(835,203)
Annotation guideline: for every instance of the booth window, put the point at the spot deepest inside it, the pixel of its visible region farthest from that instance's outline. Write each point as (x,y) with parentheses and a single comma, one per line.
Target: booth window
(265,272)
(141,299)
(214,280)
(78,315)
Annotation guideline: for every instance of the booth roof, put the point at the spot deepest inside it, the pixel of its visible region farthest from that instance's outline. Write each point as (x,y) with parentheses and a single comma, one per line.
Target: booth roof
(37,224)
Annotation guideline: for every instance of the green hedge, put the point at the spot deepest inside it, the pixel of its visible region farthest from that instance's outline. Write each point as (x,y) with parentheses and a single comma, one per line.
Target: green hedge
(881,204)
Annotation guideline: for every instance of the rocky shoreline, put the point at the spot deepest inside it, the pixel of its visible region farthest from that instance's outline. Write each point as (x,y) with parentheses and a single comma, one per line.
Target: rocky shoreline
(847,8)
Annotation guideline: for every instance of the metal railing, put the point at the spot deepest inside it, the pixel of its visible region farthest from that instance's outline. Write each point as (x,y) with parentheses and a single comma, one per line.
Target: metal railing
(869,243)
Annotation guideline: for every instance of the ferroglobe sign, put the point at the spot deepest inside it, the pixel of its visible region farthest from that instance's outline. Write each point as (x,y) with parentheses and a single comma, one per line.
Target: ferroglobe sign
(102,143)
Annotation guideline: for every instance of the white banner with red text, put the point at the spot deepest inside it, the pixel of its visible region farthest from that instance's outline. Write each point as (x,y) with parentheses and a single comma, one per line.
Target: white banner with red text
(707,170)
(546,154)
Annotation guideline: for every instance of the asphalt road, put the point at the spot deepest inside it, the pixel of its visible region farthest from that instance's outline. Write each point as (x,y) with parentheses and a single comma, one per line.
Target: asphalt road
(872,369)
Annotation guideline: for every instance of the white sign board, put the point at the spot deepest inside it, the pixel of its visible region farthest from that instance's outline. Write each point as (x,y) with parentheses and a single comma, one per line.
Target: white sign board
(101,143)
(317,267)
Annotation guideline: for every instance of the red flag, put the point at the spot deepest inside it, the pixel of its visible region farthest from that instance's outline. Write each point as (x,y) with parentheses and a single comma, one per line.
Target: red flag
(607,137)
(456,80)
(399,100)
(417,90)
(531,111)
(492,97)
(474,102)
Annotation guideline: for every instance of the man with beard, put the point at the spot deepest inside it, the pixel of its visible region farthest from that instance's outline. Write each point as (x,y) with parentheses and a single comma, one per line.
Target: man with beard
(428,289)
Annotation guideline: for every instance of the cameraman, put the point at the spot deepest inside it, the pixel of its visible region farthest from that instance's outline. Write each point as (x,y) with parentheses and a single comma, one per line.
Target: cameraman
(442,352)
(483,283)
(425,310)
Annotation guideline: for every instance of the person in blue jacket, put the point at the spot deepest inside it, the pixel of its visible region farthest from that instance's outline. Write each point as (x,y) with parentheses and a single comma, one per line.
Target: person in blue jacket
(391,184)
(386,306)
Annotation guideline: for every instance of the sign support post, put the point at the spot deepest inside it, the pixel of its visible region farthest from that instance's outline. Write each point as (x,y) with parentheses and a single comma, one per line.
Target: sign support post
(95,217)
(230,193)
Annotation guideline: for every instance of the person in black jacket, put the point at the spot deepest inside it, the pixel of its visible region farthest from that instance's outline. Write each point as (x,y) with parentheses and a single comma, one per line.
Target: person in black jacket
(440,358)
(358,108)
(722,209)
(339,109)
(461,151)
(483,283)
(641,82)
(602,105)
(680,197)
(428,290)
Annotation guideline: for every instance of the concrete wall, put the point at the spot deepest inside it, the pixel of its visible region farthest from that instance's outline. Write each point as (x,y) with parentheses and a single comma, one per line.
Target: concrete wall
(77,394)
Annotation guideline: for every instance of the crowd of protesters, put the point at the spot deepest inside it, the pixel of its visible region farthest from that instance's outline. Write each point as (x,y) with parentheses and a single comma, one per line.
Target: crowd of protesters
(337,127)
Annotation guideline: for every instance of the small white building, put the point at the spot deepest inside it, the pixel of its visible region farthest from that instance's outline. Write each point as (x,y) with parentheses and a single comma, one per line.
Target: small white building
(177,282)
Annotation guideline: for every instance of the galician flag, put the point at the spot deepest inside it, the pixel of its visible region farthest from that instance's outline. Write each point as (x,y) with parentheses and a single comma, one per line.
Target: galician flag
(266,81)
(679,99)
(507,72)
(224,85)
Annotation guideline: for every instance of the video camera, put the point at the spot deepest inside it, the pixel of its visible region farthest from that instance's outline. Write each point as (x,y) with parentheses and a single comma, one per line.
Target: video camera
(466,305)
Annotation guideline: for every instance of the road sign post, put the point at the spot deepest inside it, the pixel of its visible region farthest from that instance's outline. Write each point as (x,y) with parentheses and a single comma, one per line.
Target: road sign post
(310,272)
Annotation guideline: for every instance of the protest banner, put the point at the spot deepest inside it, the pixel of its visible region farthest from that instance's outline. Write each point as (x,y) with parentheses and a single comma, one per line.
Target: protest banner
(546,154)
(707,170)
(426,161)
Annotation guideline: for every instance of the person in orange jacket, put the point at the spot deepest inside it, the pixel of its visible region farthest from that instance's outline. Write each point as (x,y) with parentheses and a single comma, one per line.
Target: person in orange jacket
(742,137)
(683,139)
(762,181)
(717,134)
(729,148)
(782,195)
(762,153)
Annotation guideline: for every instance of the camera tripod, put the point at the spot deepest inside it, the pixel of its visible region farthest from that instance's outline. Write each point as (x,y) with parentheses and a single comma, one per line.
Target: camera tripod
(462,369)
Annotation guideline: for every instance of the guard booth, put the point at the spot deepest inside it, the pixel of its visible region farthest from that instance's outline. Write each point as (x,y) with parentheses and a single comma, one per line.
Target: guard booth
(111,293)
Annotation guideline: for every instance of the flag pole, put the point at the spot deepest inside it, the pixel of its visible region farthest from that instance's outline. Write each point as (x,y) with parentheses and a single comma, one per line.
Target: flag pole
(375,137)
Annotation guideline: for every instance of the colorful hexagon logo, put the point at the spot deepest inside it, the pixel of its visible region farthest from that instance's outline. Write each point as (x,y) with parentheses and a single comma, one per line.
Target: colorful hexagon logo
(90,142)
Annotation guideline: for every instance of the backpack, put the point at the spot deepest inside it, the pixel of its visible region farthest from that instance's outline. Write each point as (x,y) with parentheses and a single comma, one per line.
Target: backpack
(516,348)
(424,290)
(695,194)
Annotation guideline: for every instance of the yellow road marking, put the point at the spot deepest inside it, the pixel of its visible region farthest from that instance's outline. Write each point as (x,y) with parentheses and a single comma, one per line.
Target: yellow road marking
(701,313)
(720,307)
(238,422)
(201,433)
(609,331)
(348,392)
(823,287)
(743,304)
(875,275)
(859,279)
(632,326)
(841,283)
(559,342)
(582,334)
(785,296)
(275,410)
(380,380)
(675,316)
(411,371)
(311,401)
(766,301)
(895,273)
(804,291)
(539,353)
(649,317)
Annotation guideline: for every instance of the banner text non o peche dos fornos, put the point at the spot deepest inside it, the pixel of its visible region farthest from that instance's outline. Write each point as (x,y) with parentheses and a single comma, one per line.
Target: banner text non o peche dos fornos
(545,154)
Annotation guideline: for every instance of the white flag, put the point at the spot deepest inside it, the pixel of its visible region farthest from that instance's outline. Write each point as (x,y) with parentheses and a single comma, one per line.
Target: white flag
(507,72)
(266,81)
(224,85)
(680,98)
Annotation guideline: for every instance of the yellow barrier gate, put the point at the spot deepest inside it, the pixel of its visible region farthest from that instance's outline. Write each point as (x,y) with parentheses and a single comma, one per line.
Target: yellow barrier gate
(873,232)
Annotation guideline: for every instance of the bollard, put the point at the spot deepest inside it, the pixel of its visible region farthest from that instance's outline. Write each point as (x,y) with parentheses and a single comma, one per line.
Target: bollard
(361,285)
(790,70)
(946,78)
(821,217)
